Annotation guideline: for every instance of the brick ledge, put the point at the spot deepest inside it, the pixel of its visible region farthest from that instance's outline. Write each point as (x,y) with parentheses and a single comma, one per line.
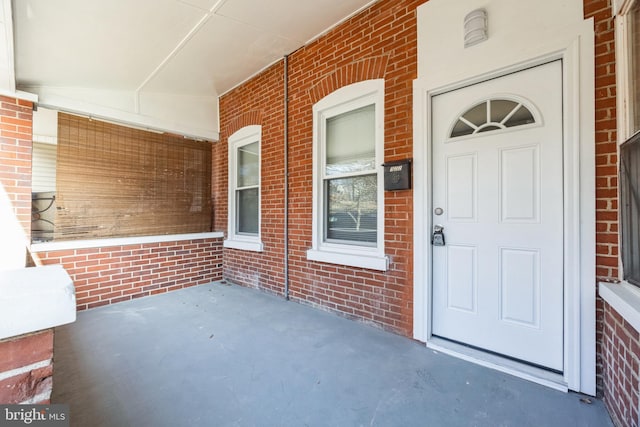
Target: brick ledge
(122,241)
(625,299)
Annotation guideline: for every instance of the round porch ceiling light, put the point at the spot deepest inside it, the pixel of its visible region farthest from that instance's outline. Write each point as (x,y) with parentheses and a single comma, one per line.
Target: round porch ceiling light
(475,27)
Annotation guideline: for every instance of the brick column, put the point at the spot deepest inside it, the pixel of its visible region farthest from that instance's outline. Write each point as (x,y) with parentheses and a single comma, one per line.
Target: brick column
(16,117)
(606,160)
(621,354)
(26,368)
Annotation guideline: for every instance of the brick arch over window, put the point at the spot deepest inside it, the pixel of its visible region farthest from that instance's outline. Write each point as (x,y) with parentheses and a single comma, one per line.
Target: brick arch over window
(366,69)
(253,117)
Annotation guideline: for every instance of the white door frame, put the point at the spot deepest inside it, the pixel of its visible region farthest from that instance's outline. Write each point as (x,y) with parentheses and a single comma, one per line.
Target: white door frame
(579,214)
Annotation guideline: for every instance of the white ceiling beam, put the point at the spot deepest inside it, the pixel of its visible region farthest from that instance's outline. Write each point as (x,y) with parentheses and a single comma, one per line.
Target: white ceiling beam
(112,107)
(7,58)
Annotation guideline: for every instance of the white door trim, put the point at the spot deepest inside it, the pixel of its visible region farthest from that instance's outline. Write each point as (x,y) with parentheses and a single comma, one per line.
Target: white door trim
(579,208)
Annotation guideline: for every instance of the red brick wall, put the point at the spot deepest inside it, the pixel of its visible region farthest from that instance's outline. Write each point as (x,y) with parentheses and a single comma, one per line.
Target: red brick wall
(258,102)
(617,342)
(15,156)
(119,273)
(606,140)
(26,366)
(606,158)
(379,42)
(621,351)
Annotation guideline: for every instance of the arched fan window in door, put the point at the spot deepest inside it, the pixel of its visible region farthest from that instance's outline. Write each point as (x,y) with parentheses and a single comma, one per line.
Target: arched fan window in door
(490,115)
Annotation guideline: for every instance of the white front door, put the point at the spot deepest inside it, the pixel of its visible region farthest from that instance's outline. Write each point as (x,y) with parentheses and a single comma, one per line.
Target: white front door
(498,194)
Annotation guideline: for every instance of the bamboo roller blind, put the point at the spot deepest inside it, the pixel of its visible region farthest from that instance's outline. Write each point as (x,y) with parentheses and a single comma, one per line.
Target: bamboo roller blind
(115,181)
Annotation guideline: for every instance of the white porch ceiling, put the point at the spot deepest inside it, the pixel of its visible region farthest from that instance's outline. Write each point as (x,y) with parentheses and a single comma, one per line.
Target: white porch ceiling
(112,56)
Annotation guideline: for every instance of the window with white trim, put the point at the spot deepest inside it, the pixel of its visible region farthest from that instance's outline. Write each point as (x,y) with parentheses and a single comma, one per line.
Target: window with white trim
(629,58)
(630,208)
(348,189)
(491,115)
(244,190)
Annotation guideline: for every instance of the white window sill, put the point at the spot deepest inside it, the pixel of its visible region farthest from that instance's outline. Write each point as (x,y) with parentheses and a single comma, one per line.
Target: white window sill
(373,262)
(121,241)
(243,245)
(625,299)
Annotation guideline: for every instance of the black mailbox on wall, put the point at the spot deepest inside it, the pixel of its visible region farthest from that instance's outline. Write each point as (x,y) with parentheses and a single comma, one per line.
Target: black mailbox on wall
(397,175)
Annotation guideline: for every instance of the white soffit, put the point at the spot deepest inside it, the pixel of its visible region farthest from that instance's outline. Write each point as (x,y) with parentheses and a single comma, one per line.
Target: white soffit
(296,20)
(186,47)
(111,44)
(218,56)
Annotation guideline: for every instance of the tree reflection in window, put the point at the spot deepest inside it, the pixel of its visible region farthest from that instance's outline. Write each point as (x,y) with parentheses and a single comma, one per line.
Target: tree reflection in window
(490,115)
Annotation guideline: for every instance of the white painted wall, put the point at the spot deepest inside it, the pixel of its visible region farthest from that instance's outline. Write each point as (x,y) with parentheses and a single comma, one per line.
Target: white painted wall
(45,125)
(195,114)
(43,167)
(45,138)
(13,243)
(519,33)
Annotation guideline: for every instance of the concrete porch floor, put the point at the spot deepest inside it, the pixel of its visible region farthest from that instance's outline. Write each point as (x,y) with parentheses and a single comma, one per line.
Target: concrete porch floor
(220,355)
